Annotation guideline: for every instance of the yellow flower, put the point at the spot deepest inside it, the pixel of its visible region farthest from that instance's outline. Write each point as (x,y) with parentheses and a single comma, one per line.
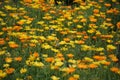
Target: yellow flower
(6,65)
(2,74)
(114,0)
(23,70)
(62,42)
(8,7)
(91,30)
(2,52)
(76,76)
(34,41)
(59,63)
(88,59)
(55,78)
(79,26)
(110,47)
(38,64)
(72,61)
(46,46)
(41,22)
(99,49)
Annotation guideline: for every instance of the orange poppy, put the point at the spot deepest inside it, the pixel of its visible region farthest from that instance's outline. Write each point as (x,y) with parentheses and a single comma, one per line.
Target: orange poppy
(13,45)
(118,25)
(8,59)
(92,66)
(49,59)
(81,42)
(114,69)
(106,63)
(72,78)
(95,11)
(70,70)
(75,20)
(99,57)
(32,45)
(109,11)
(66,39)
(93,20)
(82,66)
(59,55)
(108,19)
(17,28)
(10,70)
(94,37)
(107,4)
(86,37)
(27,1)
(2,41)
(18,58)
(83,20)
(36,54)
(4,29)
(101,1)
(70,55)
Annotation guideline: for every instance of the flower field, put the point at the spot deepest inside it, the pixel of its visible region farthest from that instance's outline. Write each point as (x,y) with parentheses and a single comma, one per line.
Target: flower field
(43,41)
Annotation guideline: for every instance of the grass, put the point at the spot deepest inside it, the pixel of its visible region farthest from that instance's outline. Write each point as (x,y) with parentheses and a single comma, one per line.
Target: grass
(41,41)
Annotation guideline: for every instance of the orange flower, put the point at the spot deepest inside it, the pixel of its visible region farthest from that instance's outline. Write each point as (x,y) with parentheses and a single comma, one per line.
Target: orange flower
(106,63)
(113,57)
(63,32)
(49,59)
(35,54)
(96,11)
(75,20)
(17,28)
(18,58)
(92,66)
(20,22)
(118,25)
(70,70)
(86,37)
(103,15)
(93,20)
(4,29)
(114,69)
(99,57)
(66,39)
(52,11)
(82,66)
(107,4)
(32,45)
(109,24)
(2,41)
(81,42)
(83,20)
(59,55)
(94,37)
(101,1)
(13,45)
(8,59)
(106,36)
(70,55)
(10,70)
(62,58)
(108,19)
(109,11)
(27,1)
(72,78)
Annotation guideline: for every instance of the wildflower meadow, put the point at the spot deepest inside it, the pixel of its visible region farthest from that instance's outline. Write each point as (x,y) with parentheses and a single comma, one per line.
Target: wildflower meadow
(43,41)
